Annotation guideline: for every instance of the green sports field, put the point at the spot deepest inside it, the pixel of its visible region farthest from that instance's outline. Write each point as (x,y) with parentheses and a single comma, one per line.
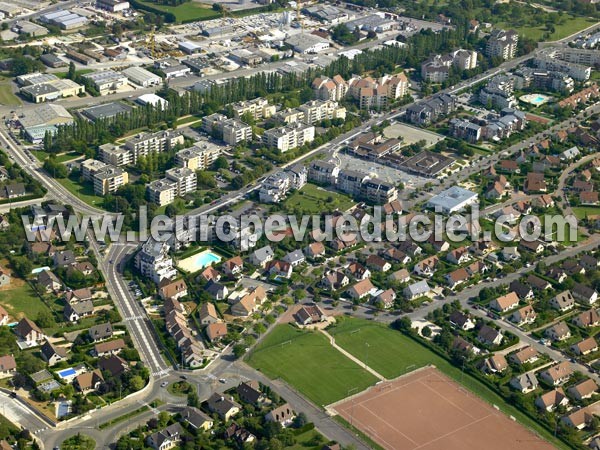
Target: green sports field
(310,364)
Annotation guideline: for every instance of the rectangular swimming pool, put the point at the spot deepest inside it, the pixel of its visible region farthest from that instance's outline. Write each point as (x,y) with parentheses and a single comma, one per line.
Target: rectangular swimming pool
(66,373)
(199,261)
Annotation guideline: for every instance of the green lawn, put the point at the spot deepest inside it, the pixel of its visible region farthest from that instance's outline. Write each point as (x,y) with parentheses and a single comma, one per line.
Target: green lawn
(391,353)
(22,300)
(188,11)
(307,361)
(582,211)
(77,72)
(7,98)
(572,25)
(85,192)
(312,199)
(63,157)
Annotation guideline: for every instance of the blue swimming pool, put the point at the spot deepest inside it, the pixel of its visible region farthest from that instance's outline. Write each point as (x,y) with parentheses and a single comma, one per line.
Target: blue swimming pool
(66,373)
(199,261)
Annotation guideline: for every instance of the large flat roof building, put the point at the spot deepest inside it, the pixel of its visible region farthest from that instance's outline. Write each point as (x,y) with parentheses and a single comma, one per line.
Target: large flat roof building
(452,200)
(307,43)
(141,76)
(105,111)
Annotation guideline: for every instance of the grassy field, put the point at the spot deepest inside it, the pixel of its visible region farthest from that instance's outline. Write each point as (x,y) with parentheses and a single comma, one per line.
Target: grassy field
(312,199)
(84,192)
(572,25)
(391,353)
(20,300)
(63,157)
(187,11)
(582,211)
(307,361)
(77,72)
(7,98)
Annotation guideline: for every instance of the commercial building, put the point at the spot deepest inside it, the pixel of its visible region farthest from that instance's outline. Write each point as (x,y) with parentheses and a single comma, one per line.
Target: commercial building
(30,28)
(113,6)
(51,60)
(45,118)
(172,68)
(327,14)
(106,111)
(289,137)
(141,76)
(153,100)
(106,80)
(377,23)
(64,19)
(427,164)
(452,200)
(502,44)
(307,43)
(51,90)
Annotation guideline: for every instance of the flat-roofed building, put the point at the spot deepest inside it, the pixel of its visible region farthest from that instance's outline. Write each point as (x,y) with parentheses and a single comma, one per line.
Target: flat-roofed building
(258,108)
(109,179)
(115,155)
(106,80)
(289,137)
(198,157)
(106,111)
(162,192)
(184,178)
(146,143)
(141,76)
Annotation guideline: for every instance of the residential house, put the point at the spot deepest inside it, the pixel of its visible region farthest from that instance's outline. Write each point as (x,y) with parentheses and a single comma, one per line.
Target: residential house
(397,255)
(416,290)
(284,415)
(426,267)
(101,332)
(108,348)
(505,303)
(279,268)
(531,246)
(526,355)
(583,390)
(464,346)
(78,295)
(557,274)
(589,262)
(315,250)
(224,407)
(216,331)
(216,290)
(523,316)
(523,291)
(64,258)
(8,366)
(333,280)
(29,332)
(558,332)
(208,314)
(461,320)
(294,258)
(89,381)
(557,374)
(578,419)
(387,298)
(210,273)
(510,254)
(459,255)
(4,316)
(172,289)
(358,271)
(494,364)
(400,276)
(563,302)
(260,257)
(249,392)
(456,277)
(524,383)
(585,347)
(49,282)
(550,400)
(53,354)
(490,336)
(309,314)
(361,289)
(538,283)
(587,319)
(240,435)
(196,418)
(166,439)
(233,266)
(376,262)
(584,294)
(113,364)
(77,311)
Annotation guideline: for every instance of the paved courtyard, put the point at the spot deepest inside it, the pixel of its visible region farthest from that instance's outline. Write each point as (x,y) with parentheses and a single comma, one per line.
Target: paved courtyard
(411,134)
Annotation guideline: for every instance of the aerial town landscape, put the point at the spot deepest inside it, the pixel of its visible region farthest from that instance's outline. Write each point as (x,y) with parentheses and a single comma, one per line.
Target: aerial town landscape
(318,225)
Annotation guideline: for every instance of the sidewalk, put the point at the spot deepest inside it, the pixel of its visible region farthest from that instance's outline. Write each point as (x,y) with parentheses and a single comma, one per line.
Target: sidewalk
(351,357)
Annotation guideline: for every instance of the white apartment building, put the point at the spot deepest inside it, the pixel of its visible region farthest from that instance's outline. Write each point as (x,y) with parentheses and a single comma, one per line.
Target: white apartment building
(89,167)
(289,137)
(317,110)
(233,131)
(502,44)
(162,192)
(153,261)
(109,179)
(146,143)
(258,108)
(184,178)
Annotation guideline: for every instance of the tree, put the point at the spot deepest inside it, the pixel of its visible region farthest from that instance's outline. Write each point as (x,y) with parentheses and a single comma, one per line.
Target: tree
(403,324)
(44,319)
(426,331)
(239,350)
(300,420)
(136,383)
(221,163)
(72,72)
